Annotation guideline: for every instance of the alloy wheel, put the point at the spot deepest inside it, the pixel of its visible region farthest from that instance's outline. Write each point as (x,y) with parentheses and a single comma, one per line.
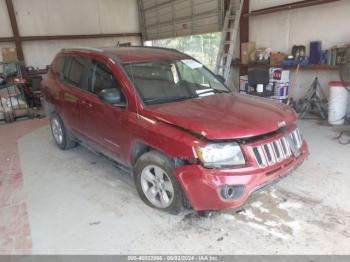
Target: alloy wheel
(57,130)
(157,186)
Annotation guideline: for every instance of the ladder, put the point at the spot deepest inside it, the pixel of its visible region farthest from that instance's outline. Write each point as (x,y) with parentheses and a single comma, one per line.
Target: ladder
(229,31)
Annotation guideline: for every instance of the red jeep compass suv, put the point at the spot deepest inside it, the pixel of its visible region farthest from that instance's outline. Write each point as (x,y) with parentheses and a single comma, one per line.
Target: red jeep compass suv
(187,138)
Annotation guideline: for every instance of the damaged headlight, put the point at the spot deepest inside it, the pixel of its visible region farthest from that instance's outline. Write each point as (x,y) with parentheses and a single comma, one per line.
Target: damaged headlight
(220,154)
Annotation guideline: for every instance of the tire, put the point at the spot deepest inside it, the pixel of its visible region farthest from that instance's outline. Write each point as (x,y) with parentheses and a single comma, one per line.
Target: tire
(147,176)
(60,134)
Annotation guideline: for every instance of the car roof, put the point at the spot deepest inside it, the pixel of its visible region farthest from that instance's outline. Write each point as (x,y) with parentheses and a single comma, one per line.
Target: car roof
(134,54)
(144,54)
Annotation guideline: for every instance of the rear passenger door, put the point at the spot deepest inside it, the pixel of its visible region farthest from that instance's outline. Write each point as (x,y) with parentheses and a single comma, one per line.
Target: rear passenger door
(73,83)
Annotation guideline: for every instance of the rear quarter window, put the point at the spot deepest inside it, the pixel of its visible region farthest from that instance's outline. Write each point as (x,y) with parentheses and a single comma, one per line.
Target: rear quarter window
(73,71)
(59,66)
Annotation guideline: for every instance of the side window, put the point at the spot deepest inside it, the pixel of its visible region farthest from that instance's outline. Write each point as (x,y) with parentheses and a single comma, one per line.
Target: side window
(73,71)
(100,77)
(59,65)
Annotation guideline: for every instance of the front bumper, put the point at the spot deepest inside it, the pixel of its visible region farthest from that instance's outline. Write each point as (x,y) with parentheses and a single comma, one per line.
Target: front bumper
(202,186)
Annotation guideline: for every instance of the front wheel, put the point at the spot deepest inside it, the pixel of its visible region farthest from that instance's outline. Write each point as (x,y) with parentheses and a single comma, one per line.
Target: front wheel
(156,184)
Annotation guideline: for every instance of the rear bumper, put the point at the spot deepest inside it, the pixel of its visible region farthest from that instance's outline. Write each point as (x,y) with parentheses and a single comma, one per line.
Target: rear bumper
(202,186)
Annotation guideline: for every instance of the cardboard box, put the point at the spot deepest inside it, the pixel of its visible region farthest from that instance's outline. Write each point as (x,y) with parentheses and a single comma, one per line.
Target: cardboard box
(276,58)
(281,90)
(278,74)
(246,50)
(9,54)
(18,112)
(279,78)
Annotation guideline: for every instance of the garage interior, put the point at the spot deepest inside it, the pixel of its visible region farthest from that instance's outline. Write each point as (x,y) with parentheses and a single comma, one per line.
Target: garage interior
(296,52)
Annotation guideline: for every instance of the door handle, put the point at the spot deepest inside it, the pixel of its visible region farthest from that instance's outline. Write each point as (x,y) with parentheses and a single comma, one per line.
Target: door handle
(86,103)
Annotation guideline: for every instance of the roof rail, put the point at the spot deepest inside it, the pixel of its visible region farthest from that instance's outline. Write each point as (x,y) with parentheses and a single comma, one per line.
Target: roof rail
(82,49)
(157,47)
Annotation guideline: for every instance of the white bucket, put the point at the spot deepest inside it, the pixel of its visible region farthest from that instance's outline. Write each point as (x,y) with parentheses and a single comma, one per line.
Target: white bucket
(338,103)
(348,111)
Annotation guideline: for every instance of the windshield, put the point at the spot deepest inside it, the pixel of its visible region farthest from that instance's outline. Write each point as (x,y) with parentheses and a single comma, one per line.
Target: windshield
(170,81)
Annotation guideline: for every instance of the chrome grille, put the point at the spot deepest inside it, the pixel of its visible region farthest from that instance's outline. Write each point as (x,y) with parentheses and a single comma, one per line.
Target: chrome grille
(268,154)
(286,148)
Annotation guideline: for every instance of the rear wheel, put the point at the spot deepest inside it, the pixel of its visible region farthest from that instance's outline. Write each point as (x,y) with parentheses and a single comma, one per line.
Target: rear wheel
(156,184)
(60,134)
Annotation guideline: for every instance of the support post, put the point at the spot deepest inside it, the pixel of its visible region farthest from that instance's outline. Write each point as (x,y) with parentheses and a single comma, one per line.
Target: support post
(16,36)
(244,32)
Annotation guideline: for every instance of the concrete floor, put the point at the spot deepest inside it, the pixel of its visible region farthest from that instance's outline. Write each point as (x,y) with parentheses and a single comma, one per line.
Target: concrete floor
(79,203)
(14,223)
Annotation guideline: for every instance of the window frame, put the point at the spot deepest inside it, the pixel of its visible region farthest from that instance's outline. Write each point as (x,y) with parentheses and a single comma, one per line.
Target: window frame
(91,70)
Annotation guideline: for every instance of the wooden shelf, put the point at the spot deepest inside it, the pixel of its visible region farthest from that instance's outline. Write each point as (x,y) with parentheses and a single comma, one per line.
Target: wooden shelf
(293,67)
(286,7)
(37,72)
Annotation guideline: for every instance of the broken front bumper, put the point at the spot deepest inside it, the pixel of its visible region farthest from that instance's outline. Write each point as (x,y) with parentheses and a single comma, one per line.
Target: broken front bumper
(203,187)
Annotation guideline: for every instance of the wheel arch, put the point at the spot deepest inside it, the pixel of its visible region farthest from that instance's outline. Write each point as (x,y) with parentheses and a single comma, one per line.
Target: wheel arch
(139,148)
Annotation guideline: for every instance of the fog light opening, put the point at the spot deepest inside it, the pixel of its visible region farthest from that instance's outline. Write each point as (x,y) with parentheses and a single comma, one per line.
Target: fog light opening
(228,192)
(231,192)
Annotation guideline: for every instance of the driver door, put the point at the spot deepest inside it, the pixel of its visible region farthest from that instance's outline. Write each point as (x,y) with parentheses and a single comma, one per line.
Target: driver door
(102,122)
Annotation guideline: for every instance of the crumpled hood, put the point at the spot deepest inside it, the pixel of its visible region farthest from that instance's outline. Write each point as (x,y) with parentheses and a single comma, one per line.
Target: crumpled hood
(224,116)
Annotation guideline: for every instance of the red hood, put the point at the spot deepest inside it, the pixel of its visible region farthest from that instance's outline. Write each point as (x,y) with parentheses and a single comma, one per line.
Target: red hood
(224,116)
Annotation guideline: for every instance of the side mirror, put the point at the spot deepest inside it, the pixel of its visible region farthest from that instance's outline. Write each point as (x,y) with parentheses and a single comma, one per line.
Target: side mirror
(111,96)
(220,78)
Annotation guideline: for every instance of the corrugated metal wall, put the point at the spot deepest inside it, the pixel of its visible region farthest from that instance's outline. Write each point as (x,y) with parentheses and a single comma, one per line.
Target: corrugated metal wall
(67,17)
(165,19)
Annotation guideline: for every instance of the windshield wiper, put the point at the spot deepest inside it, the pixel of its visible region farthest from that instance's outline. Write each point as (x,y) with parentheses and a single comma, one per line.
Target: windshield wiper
(159,100)
(212,91)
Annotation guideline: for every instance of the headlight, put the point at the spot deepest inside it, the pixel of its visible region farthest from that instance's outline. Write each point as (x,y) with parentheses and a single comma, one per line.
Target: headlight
(220,154)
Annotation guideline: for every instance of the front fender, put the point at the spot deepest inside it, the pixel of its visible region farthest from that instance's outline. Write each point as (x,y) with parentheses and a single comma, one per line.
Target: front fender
(171,141)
